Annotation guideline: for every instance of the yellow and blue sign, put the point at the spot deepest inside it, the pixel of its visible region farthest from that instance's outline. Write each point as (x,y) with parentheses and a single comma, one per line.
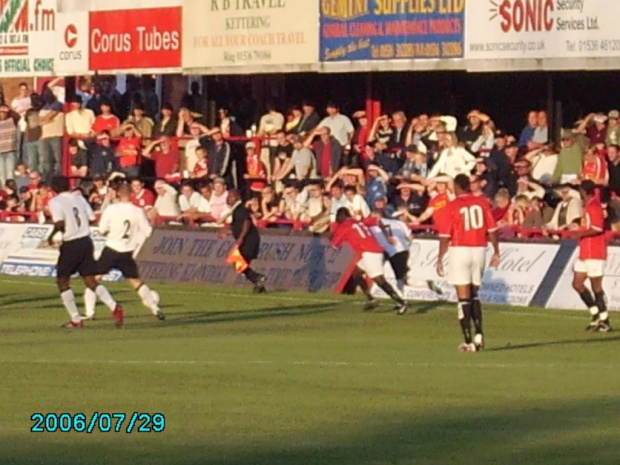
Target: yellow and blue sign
(356,30)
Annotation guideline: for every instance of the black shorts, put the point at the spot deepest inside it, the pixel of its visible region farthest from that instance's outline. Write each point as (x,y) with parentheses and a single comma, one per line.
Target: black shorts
(121,261)
(250,248)
(76,257)
(400,264)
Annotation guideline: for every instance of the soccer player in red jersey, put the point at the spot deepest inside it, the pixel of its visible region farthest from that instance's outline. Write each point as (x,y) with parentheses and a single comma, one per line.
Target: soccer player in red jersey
(471,225)
(370,256)
(592,255)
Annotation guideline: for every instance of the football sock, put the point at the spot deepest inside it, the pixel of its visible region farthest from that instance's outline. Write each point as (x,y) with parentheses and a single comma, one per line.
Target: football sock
(68,299)
(105,297)
(464,307)
(364,287)
(90,301)
(251,275)
(147,298)
(586,297)
(389,290)
(601,305)
(476,313)
(400,286)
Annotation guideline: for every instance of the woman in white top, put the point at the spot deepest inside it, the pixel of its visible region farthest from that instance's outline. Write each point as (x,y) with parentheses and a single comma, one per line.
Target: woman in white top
(453,160)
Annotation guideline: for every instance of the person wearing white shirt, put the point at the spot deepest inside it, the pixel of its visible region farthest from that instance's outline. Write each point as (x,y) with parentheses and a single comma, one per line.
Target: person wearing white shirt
(79,121)
(356,204)
(453,160)
(338,199)
(126,228)
(71,216)
(189,200)
(271,122)
(20,105)
(340,125)
(166,203)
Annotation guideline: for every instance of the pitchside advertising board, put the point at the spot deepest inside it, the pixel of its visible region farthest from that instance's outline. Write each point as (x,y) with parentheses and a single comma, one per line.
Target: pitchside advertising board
(27,36)
(522,269)
(563,295)
(27,252)
(233,34)
(391,30)
(512,29)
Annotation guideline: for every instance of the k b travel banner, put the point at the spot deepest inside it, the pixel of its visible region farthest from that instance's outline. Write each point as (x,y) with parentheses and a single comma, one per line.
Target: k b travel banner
(356,30)
(512,29)
(249,33)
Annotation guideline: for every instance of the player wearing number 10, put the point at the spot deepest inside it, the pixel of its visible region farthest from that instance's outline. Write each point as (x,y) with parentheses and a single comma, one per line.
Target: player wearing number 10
(126,228)
(471,223)
(71,215)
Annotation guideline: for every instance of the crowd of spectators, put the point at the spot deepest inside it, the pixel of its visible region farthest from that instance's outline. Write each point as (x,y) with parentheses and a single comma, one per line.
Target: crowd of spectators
(297,168)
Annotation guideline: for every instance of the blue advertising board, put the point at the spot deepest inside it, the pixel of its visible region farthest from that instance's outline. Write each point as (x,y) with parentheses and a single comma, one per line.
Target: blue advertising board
(356,30)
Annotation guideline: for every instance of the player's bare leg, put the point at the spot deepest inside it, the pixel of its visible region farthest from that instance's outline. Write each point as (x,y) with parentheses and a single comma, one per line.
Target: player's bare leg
(465,313)
(102,293)
(360,280)
(68,300)
(579,284)
(601,304)
(476,314)
(149,298)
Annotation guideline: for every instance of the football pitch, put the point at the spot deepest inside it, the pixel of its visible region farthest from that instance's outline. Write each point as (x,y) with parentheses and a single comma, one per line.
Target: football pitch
(303,379)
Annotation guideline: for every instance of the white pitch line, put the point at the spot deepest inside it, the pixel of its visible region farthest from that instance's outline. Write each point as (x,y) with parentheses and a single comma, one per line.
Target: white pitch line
(311,363)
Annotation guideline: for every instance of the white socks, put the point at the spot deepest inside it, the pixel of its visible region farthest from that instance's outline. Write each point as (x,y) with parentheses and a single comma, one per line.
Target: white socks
(90,300)
(147,298)
(400,287)
(105,297)
(68,299)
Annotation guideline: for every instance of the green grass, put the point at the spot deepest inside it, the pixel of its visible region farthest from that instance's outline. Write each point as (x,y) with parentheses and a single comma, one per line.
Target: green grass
(305,379)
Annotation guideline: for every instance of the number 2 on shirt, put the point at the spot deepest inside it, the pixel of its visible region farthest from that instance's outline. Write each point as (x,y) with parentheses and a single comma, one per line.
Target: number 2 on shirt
(473,217)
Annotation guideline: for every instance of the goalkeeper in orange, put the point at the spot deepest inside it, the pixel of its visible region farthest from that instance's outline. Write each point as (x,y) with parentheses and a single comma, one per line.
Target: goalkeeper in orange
(247,242)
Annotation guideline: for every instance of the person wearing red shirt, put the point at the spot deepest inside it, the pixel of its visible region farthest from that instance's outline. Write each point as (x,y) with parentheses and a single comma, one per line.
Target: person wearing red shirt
(590,263)
(255,170)
(106,121)
(370,255)
(438,205)
(128,151)
(140,196)
(165,157)
(595,168)
(201,168)
(466,233)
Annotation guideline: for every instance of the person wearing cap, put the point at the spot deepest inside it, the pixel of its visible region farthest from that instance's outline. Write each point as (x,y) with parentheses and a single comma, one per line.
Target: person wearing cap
(101,155)
(612,136)
(376,184)
(166,204)
(143,124)
(79,121)
(570,159)
(256,174)
(8,144)
(568,210)
(471,132)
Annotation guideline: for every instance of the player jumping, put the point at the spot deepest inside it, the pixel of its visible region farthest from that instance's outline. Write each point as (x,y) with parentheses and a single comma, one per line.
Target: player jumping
(471,223)
(591,261)
(71,215)
(126,227)
(361,240)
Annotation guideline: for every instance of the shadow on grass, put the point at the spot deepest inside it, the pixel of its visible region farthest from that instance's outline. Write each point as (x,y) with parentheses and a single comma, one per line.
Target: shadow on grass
(550,434)
(533,345)
(220,316)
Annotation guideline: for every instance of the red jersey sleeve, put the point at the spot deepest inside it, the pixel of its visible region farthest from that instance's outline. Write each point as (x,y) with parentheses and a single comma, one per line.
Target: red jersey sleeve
(489,220)
(445,227)
(595,219)
(339,236)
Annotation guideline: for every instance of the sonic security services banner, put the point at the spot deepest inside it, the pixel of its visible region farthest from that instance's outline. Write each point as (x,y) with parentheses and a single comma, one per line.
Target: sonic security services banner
(237,33)
(521,271)
(27,37)
(354,30)
(564,296)
(509,29)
